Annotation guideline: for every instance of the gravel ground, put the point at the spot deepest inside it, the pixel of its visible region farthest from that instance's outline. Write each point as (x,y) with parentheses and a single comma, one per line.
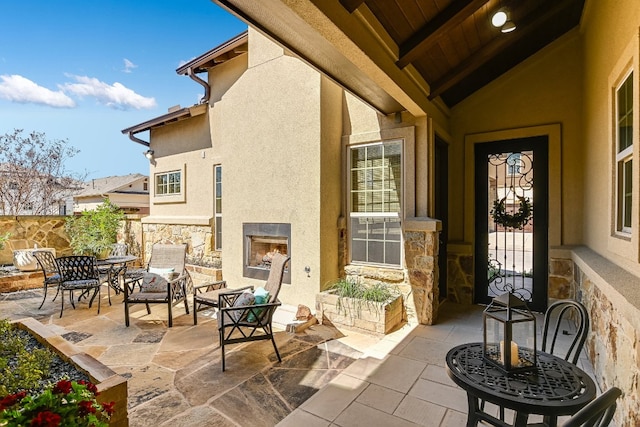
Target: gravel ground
(59,369)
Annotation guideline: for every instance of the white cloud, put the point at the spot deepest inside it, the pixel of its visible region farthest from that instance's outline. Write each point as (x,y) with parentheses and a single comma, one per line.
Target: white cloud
(115,96)
(128,66)
(20,89)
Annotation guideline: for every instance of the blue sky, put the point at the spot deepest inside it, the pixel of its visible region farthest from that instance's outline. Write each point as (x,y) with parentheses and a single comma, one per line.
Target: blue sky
(84,70)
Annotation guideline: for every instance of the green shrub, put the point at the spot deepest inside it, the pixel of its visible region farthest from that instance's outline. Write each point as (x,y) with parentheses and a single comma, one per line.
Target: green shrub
(20,368)
(94,232)
(370,296)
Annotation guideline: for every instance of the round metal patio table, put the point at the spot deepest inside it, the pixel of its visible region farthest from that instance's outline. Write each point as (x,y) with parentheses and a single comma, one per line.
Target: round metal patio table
(556,387)
(114,267)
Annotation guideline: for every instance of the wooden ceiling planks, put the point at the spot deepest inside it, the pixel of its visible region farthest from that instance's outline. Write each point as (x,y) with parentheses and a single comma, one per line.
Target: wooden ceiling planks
(453,44)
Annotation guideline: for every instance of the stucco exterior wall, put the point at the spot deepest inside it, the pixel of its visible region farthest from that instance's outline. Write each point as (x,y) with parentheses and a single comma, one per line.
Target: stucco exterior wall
(545,89)
(176,145)
(610,49)
(268,128)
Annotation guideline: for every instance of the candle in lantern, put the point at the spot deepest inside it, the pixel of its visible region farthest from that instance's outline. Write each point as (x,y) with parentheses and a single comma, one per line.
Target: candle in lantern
(514,353)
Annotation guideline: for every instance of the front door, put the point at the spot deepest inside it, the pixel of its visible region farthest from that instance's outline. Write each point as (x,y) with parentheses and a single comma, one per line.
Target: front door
(511,229)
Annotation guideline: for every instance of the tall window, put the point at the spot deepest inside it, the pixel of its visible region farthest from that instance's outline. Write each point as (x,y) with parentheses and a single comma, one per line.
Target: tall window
(624,153)
(218,206)
(168,183)
(376,183)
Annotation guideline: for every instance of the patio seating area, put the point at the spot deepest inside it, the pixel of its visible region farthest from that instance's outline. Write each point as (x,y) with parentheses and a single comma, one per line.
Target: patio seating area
(326,377)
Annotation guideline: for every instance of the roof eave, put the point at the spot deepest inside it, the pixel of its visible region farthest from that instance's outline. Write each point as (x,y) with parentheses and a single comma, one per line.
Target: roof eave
(173,116)
(209,56)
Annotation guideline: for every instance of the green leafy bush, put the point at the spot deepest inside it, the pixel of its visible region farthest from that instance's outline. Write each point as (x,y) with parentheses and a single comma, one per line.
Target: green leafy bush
(20,368)
(94,232)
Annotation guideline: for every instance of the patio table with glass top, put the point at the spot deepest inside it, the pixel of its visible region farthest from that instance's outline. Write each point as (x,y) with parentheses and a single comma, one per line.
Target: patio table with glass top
(555,387)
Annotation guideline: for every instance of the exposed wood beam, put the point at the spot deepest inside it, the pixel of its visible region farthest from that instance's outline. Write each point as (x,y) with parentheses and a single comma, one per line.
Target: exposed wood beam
(351,5)
(536,20)
(428,35)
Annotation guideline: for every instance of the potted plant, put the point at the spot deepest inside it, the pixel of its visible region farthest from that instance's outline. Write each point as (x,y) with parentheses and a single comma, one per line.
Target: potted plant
(376,308)
(94,232)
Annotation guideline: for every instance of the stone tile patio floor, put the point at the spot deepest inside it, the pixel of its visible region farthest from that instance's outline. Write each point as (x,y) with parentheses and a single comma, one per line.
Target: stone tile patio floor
(327,377)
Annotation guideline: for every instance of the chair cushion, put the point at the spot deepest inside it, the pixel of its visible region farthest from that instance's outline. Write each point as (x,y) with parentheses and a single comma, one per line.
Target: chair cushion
(245,298)
(261,296)
(167,273)
(148,296)
(152,282)
(210,297)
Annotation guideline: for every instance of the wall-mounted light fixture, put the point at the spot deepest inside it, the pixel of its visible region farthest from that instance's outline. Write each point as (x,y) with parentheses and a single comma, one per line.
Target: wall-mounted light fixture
(149,154)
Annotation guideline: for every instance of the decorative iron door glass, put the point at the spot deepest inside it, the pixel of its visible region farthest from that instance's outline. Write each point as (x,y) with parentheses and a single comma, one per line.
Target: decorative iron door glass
(510,186)
(511,220)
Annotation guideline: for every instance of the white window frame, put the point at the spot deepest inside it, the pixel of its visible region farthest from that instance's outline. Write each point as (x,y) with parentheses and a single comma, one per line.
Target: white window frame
(376,216)
(624,241)
(217,195)
(178,197)
(624,162)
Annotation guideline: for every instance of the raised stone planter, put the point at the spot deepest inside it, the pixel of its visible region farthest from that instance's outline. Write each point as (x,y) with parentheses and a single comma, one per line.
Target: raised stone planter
(359,315)
(112,387)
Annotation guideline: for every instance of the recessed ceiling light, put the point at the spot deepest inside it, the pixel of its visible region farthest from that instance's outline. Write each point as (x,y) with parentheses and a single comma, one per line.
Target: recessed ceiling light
(499,18)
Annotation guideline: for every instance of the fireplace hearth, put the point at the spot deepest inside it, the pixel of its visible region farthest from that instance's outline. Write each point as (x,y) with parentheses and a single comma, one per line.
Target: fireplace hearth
(261,242)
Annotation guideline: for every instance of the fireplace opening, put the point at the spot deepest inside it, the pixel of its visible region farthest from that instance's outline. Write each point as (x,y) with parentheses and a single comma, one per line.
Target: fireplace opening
(261,242)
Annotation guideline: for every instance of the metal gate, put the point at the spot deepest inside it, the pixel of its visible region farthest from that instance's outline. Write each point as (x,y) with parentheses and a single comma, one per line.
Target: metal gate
(511,220)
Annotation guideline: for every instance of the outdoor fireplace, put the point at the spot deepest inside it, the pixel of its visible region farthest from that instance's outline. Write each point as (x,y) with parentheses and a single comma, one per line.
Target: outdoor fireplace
(261,242)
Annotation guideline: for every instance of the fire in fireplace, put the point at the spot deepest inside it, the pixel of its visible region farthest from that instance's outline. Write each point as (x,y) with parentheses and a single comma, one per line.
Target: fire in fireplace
(261,242)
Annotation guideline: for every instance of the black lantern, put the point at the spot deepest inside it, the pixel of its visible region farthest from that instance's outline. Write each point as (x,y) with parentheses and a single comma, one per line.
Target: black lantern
(509,334)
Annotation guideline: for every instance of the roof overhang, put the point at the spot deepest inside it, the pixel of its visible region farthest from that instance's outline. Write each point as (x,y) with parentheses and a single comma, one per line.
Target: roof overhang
(306,30)
(227,50)
(171,117)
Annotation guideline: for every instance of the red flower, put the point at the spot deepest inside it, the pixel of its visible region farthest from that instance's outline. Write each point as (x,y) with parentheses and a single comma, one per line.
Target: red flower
(62,387)
(108,407)
(90,386)
(11,399)
(46,419)
(85,407)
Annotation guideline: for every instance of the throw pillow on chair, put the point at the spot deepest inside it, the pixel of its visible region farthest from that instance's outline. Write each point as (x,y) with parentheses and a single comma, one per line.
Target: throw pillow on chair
(152,282)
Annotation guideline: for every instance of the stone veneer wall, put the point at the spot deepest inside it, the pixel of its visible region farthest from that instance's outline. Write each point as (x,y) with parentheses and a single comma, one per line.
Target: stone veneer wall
(206,263)
(460,283)
(27,231)
(459,276)
(419,282)
(613,344)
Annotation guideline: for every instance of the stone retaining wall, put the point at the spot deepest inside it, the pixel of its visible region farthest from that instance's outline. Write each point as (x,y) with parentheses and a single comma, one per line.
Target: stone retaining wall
(613,343)
(48,232)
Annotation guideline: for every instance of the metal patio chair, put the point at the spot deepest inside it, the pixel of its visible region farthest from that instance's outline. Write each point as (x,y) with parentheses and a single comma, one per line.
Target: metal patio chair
(241,322)
(560,317)
(598,413)
(169,290)
(50,272)
(79,273)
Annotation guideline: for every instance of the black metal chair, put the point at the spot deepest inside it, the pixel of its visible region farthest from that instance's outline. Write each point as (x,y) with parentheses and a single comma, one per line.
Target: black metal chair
(559,319)
(176,287)
(50,271)
(598,413)
(79,272)
(242,323)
